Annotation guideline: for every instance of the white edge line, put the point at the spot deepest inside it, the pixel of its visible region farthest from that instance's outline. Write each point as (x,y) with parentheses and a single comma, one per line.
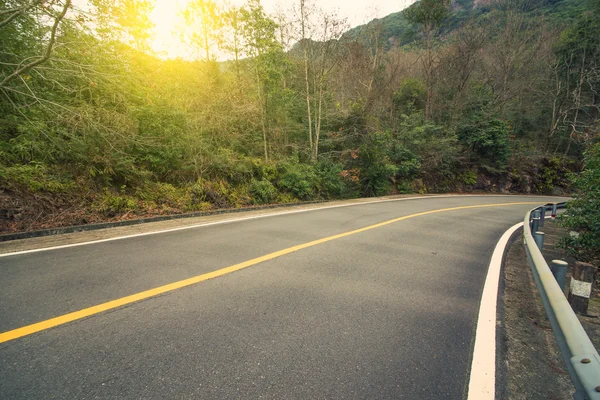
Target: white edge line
(16,253)
(482,382)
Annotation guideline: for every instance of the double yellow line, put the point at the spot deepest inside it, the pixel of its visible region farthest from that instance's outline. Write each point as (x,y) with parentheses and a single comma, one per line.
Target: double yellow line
(87,312)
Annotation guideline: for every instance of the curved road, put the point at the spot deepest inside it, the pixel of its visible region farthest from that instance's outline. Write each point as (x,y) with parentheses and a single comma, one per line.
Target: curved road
(386,312)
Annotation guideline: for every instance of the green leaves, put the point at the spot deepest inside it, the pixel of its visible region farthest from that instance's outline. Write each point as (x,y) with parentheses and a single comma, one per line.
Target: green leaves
(487,140)
(583,212)
(428,12)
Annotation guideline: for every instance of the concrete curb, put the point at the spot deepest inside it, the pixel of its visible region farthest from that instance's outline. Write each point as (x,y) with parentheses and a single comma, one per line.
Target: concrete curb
(104,225)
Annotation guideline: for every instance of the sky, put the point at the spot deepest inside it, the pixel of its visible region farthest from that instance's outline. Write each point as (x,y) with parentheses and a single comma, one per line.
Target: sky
(358,12)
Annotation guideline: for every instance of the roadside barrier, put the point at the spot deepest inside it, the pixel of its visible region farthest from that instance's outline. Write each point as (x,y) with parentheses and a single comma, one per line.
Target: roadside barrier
(580,355)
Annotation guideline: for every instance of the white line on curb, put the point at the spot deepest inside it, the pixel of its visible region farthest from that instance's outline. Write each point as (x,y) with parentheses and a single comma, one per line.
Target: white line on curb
(482,383)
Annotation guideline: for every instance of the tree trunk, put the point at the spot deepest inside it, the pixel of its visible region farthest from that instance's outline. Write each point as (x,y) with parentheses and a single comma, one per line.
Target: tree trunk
(307,86)
(428,71)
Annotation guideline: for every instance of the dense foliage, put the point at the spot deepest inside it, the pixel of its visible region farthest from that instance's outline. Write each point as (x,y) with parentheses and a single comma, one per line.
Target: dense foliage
(583,213)
(93,125)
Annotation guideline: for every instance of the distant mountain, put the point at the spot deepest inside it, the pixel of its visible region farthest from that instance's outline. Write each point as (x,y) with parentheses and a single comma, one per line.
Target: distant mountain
(396,30)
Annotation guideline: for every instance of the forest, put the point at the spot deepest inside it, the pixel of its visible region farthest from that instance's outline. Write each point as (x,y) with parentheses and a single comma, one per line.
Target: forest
(444,96)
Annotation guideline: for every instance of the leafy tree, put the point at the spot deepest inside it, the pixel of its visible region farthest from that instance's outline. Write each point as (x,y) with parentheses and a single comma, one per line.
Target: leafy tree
(203,23)
(259,33)
(231,40)
(410,97)
(583,212)
(19,19)
(428,14)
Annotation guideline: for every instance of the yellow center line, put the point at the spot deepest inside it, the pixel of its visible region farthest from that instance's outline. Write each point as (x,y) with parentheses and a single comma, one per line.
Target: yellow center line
(87,312)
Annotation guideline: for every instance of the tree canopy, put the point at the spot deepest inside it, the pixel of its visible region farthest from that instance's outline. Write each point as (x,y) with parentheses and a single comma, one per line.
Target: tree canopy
(274,109)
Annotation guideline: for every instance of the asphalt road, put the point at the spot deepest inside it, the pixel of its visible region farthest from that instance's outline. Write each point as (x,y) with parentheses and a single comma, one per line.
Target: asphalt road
(388,313)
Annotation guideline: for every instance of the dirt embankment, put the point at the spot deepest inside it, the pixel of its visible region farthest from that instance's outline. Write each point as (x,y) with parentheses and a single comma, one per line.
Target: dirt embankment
(531,362)
(531,359)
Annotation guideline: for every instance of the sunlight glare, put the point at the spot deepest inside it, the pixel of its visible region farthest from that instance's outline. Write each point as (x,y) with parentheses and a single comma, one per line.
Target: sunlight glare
(166,41)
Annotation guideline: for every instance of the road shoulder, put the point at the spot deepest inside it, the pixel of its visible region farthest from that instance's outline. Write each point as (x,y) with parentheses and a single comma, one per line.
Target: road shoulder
(533,366)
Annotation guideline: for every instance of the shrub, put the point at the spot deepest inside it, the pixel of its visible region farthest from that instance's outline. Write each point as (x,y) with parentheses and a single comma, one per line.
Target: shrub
(410,96)
(487,140)
(263,191)
(376,169)
(35,177)
(583,212)
(329,181)
(112,205)
(298,179)
(552,173)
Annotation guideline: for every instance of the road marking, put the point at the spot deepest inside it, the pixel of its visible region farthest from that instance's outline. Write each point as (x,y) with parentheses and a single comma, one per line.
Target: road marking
(87,312)
(231,220)
(482,383)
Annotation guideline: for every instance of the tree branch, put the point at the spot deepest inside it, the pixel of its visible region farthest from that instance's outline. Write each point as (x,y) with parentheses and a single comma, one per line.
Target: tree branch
(47,53)
(15,12)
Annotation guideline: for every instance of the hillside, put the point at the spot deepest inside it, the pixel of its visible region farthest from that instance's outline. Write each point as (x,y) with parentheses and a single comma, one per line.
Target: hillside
(93,127)
(396,30)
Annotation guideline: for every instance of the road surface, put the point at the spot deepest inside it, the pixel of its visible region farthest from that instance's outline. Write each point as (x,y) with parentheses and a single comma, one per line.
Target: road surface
(381,304)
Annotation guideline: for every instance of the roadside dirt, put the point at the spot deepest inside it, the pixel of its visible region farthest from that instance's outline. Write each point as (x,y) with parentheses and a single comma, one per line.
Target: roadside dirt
(533,364)
(534,367)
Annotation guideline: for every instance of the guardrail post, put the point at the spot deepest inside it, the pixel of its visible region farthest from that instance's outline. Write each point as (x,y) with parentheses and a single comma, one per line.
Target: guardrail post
(554,207)
(542,215)
(581,286)
(581,357)
(539,239)
(559,270)
(535,224)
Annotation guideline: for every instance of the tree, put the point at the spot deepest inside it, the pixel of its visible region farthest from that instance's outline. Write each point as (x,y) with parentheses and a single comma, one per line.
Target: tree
(577,71)
(231,40)
(429,14)
(203,22)
(21,15)
(260,38)
(125,21)
(304,44)
(583,212)
(319,40)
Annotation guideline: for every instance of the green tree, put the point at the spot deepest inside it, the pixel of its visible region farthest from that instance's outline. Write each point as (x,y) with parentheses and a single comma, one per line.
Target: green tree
(19,22)
(260,38)
(203,23)
(231,40)
(583,212)
(428,14)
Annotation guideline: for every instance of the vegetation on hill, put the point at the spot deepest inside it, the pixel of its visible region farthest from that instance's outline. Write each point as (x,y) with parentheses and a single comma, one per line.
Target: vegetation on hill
(495,97)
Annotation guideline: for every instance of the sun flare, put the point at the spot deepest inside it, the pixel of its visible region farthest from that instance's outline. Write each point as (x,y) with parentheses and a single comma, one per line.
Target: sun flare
(168,26)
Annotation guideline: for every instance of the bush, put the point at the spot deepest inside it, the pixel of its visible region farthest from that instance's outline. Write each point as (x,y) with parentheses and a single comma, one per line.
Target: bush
(583,212)
(329,181)
(487,140)
(298,180)
(376,169)
(263,191)
(410,96)
(163,194)
(431,149)
(553,173)
(34,177)
(112,205)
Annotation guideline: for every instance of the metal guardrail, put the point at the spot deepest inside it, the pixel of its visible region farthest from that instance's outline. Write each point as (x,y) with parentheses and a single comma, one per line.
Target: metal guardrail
(580,355)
